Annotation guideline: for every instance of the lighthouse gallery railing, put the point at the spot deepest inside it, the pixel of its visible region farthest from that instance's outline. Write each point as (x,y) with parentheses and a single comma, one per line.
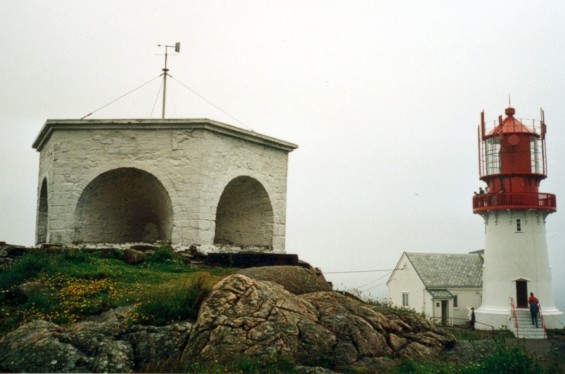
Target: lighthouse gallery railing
(514,200)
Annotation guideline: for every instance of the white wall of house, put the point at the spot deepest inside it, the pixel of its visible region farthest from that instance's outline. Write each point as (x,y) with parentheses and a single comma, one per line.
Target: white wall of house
(458,311)
(405,280)
(466,298)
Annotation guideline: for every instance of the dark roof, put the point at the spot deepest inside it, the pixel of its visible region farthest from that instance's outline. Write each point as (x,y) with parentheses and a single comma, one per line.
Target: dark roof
(441,270)
(441,294)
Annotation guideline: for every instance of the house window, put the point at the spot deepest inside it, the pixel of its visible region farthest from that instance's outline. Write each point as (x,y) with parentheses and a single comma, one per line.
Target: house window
(455,301)
(405,299)
(518,225)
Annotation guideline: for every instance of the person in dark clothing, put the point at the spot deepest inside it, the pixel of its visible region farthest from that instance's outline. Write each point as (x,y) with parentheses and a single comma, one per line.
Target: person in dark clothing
(473,319)
(534,308)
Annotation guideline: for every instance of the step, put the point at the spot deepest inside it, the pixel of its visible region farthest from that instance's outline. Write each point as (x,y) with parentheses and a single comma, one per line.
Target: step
(525,328)
(529,333)
(521,335)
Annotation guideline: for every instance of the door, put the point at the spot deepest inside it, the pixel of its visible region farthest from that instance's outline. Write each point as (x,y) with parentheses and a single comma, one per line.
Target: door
(522,293)
(444,312)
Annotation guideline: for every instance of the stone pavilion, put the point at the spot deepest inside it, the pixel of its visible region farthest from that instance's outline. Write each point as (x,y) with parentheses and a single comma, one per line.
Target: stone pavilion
(177,181)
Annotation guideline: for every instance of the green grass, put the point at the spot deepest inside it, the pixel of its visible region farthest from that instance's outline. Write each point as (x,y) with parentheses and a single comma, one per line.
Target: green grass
(502,357)
(162,254)
(462,333)
(69,285)
(172,302)
(244,364)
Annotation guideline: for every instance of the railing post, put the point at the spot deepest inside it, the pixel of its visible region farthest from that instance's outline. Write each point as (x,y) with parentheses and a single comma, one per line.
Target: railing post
(542,321)
(514,314)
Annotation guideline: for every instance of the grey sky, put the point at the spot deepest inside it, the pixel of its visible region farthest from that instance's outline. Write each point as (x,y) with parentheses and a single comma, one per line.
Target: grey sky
(383,98)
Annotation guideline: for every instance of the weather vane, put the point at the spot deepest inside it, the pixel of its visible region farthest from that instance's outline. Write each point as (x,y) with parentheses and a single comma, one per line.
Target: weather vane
(165,71)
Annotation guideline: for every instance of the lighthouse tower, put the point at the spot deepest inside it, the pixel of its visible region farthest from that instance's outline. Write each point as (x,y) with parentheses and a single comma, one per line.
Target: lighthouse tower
(512,162)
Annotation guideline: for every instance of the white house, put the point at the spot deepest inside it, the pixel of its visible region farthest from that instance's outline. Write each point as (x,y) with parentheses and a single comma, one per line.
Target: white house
(444,286)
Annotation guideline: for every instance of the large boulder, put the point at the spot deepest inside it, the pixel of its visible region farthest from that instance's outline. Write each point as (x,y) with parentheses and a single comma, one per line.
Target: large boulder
(259,319)
(295,279)
(41,346)
(101,344)
(158,347)
(134,257)
(246,317)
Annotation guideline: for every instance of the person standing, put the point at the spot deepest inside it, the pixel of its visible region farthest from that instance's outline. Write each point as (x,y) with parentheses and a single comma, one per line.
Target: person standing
(472,319)
(534,308)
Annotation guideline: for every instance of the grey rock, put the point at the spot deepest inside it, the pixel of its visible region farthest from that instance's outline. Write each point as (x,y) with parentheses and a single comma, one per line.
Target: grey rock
(133,256)
(244,316)
(112,315)
(35,347)
(258,319)
(30,288)
(41,346)
(6,263)
(312,370)
(295,279)
(153,346)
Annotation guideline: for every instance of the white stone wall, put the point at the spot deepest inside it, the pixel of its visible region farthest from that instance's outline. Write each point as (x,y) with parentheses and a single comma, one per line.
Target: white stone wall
(405,280)
(193,160)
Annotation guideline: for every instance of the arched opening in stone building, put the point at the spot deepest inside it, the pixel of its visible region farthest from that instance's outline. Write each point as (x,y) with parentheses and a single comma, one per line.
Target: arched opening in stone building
(42,214)
(122,206)
(244,216)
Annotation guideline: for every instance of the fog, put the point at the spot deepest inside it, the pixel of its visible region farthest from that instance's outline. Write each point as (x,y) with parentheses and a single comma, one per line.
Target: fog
(382,97)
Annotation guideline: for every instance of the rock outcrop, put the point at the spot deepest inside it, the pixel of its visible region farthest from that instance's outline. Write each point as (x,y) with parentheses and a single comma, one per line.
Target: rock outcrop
(102,344)
(297,280)
(242,316)
(41,346)
(134,256)
(247,317)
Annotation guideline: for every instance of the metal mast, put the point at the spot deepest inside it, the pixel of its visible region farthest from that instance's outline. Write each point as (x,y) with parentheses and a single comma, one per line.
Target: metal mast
(165,72)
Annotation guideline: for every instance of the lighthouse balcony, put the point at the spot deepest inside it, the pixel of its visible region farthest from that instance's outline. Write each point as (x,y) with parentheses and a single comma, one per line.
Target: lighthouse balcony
(514,200)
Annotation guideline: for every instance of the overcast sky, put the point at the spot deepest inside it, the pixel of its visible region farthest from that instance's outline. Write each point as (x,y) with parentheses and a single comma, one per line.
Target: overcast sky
(382,97)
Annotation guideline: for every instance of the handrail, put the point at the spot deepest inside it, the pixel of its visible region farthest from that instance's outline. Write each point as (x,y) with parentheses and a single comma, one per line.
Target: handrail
(515,315)
(435,319)
(542,321)
(513,200)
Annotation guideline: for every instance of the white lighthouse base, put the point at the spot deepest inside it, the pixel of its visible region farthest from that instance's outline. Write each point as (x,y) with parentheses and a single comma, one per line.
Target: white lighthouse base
(489,318)
(554,318)
(501,318)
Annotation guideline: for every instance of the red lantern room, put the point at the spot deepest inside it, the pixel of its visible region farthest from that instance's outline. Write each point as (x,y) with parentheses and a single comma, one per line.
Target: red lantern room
(512,163)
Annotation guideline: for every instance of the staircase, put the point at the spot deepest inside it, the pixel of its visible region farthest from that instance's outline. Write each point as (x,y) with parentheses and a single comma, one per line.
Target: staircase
(525,328)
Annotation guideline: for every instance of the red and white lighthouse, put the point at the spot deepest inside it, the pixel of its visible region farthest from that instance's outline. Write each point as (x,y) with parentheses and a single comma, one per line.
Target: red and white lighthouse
(512,162)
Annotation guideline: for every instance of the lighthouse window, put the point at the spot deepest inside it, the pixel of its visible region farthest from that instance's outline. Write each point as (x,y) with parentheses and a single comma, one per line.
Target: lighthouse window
(492,155)
(536,150)
(518,225)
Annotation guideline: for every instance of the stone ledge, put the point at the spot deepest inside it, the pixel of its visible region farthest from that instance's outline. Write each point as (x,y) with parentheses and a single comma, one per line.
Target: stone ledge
(158,124)
(247,260)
